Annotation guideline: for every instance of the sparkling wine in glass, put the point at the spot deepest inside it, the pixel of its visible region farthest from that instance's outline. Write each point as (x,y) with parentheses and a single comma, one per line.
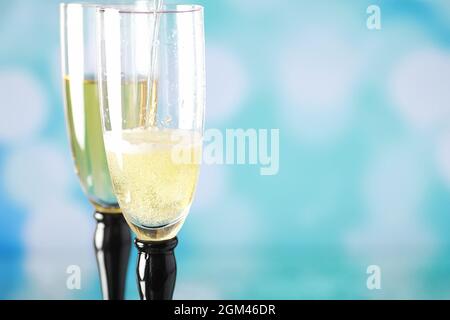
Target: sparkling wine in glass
(152,96)
(79,67)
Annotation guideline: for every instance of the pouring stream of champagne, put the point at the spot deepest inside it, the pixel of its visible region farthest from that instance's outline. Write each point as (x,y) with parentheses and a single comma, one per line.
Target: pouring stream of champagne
(149,110)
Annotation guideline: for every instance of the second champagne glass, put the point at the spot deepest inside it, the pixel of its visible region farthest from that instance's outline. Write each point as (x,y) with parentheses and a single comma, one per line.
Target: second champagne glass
(152,93)
(112,237)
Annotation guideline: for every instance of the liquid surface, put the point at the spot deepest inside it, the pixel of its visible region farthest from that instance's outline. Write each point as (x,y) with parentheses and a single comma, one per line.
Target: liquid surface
(155,174)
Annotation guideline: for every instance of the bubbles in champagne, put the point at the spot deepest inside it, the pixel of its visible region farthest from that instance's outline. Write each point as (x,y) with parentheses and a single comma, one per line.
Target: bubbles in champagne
(154,174)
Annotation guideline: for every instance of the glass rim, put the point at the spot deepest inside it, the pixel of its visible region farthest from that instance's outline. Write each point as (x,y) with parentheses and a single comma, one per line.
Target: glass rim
(80,4)
(128,8)
(131,9)
(166,9)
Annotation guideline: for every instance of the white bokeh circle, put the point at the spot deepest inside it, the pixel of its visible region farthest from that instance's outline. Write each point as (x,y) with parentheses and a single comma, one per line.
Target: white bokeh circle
(393,189)
(318,72)
(393,234)
(419,88)
(54,225)
(58,222)
(227,83)
(36,174)
(24,106)
(318,68)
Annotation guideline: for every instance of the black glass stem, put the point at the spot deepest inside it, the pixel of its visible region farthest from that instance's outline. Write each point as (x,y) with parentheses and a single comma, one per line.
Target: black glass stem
(156,269)
(112,241)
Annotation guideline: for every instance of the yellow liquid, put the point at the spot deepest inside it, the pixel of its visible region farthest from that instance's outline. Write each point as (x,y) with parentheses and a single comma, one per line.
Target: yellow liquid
(154,174)
(86,136)
(86,139)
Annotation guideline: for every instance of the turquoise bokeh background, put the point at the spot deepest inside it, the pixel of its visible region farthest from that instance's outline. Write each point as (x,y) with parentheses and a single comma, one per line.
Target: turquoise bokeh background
(364,118)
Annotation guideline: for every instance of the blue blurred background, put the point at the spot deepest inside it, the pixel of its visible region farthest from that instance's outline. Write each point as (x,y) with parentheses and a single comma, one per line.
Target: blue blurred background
(364,178)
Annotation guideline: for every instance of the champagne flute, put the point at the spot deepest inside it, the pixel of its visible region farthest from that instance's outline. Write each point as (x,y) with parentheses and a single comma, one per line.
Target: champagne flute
(152,97)
(112,238)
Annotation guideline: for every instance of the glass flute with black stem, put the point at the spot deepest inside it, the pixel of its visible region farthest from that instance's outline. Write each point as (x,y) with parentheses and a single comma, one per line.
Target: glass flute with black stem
(112,239)
(152,97)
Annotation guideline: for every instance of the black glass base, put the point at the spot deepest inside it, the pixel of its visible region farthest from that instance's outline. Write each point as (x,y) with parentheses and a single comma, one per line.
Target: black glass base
(112,241)
(156,269)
